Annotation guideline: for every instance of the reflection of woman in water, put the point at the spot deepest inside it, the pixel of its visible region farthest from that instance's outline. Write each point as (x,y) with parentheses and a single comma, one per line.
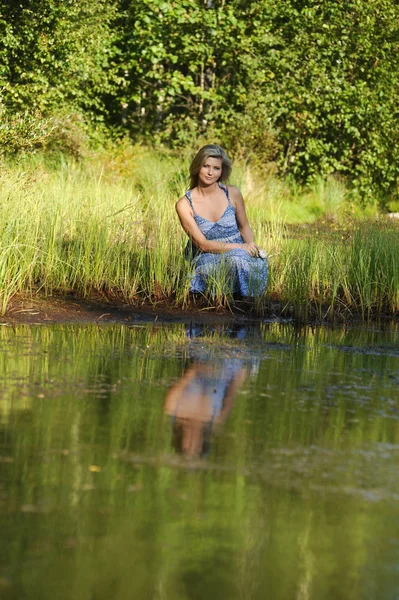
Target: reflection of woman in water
(201,399)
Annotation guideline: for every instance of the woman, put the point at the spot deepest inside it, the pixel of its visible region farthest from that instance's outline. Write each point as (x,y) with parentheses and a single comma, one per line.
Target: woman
(221,245)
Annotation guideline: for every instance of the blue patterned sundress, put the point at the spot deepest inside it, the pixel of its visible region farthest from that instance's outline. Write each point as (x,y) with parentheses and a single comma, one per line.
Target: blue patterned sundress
(242,274)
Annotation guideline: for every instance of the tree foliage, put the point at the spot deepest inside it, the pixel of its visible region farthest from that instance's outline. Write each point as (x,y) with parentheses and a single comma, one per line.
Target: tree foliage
(56,54)
(309,85)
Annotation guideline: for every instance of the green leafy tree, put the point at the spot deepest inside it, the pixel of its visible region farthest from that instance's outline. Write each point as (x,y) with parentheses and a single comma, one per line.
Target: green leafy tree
(311,86)
(333,84)
(56,55)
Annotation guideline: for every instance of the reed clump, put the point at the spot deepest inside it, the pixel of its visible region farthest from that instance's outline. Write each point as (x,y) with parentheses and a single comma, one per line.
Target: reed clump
(108,225)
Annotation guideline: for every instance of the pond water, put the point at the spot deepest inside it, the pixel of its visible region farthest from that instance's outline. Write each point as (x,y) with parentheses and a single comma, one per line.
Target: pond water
(185,462)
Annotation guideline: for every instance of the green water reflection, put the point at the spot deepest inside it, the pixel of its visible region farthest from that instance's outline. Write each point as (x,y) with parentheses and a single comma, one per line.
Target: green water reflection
(183,463)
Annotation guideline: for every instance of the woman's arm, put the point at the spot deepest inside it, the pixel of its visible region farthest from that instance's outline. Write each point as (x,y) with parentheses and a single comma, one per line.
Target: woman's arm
(228,399)
(177,391)
(241,216)
(193,231)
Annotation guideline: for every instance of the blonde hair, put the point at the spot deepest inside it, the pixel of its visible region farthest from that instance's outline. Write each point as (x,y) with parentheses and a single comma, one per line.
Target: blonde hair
(209,151)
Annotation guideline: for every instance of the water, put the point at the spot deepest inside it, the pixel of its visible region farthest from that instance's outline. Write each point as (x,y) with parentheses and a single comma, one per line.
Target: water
(182,463)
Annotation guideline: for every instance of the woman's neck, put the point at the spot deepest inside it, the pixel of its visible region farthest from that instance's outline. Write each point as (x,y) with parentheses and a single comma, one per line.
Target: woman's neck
(207,191)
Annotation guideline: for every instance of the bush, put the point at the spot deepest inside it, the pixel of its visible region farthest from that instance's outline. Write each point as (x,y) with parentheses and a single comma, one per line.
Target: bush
(23,132)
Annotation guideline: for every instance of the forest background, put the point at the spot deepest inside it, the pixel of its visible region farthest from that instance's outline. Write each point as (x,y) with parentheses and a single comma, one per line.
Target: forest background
(302,87)
(102,105)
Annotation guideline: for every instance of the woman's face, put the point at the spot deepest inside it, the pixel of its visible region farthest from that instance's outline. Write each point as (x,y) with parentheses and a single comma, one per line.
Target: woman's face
(210,171)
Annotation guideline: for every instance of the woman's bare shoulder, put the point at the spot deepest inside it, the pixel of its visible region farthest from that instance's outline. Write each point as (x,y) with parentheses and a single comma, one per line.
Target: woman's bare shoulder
(182,205)
(234,192)
(233,189)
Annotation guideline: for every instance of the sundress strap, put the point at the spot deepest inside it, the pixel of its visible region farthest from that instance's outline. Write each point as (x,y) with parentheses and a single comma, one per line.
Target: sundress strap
(226,191)
(190,200)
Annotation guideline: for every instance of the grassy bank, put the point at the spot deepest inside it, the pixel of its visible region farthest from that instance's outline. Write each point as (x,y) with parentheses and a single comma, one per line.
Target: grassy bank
(109,225)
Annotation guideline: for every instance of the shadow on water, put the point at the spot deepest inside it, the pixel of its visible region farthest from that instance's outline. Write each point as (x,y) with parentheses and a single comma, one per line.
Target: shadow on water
(182,463)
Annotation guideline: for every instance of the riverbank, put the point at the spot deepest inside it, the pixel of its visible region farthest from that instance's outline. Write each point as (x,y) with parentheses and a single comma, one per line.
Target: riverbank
(110,230)
(39,309)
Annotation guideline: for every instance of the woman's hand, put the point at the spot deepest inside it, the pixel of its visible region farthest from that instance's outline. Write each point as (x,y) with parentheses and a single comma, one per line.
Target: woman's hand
(251,248)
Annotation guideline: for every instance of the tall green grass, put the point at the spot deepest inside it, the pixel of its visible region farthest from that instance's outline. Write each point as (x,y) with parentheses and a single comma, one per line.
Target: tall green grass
(109,225)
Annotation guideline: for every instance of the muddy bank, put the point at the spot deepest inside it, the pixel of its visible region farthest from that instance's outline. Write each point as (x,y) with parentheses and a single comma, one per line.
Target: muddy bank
(40,309)
(37,309)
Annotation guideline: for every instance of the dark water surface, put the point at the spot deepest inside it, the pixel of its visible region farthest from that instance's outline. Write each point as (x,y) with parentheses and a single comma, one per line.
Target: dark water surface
(167,462)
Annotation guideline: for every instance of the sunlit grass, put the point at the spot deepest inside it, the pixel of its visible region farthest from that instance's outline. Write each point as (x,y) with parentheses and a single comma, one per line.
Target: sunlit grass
(109,225)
